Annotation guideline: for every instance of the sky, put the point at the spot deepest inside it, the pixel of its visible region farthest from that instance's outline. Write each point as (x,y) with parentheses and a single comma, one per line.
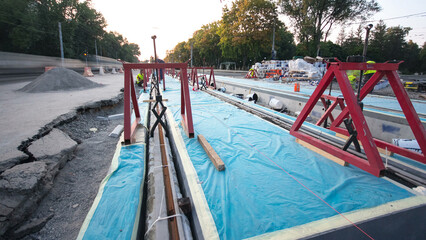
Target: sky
(174,21)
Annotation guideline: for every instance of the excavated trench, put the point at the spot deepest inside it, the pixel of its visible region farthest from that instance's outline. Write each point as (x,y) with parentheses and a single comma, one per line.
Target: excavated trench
(66,183)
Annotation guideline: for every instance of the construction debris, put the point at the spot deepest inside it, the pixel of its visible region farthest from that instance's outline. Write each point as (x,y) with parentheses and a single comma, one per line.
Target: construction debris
(117,131)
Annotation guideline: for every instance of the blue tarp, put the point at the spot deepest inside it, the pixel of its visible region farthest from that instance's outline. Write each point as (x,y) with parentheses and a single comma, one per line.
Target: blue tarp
(257,192)
(115,215)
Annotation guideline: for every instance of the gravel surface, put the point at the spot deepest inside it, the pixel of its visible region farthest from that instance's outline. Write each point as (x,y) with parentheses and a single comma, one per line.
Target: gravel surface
(76,185)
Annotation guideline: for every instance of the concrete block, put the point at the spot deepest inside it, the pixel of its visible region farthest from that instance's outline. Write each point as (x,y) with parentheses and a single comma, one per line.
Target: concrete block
(56,146)
(11,158)
(117,131)
(23,178)
(21,188)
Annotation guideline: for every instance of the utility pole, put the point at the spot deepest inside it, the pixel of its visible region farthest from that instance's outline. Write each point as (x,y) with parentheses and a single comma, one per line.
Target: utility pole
(192,46)
(157,84)
(96,53)
(60,44)
(273,55)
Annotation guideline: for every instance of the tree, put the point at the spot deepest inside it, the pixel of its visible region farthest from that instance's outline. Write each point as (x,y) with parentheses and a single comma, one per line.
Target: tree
(246,30)
(411,57)
(314,19)
(378,43)
(31,26)
(422,58)
(284,44)
(395,42)
(330,49)
(180,53)
(206,42)
(352,45)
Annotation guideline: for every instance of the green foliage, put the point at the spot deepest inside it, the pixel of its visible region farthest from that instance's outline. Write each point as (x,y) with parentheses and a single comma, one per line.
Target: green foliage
(314,19)
(246,30)
(181,53)
(422,59)
(244,36)
(284,43)
(31,26)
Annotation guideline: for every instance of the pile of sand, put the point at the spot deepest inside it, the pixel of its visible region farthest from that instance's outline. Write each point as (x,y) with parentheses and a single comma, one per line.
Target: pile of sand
(59,79)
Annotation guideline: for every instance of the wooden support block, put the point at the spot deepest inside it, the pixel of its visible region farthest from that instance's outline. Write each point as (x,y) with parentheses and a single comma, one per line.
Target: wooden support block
(381,150)
(153,100)
(218,163)
(322,152)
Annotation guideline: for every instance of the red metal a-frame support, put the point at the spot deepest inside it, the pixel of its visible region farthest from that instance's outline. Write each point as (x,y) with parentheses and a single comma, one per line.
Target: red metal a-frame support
(147,75)
(373,164)
(194,77)
(130,97)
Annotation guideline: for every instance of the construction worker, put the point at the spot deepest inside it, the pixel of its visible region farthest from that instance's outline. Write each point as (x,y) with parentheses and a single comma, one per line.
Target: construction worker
(139,79)
(353,76)
(368,74)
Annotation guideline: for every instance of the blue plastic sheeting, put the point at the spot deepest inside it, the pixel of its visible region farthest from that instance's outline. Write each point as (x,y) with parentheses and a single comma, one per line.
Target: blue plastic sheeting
(115,215)
(257,193)
(382,102)
(283,115)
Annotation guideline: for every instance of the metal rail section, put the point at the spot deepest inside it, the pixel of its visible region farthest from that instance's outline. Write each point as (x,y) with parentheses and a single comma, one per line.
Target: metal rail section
(353,110)
(194,77)
(130,97)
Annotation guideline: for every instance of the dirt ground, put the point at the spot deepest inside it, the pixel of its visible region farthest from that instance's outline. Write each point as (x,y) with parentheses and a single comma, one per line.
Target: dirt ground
(76,185)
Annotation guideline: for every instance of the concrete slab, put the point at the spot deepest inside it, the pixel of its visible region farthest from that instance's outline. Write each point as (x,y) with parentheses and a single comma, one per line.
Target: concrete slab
(21,188)
(54,143)
(11,158)
(22,178)
(23,114)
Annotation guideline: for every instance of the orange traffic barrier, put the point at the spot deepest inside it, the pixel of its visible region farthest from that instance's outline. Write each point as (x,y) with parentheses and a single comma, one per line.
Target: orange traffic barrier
(88,72)
(49,68)
(272,73)
(297,87)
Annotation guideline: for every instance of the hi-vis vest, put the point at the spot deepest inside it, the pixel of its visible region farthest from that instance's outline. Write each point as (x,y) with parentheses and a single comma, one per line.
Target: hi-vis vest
(370,71)
(139,78)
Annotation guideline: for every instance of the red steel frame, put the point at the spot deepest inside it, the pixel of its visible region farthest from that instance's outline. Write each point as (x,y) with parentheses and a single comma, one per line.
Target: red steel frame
(194,76)
(130,97)
(373,164)
(147,74)
(336,101)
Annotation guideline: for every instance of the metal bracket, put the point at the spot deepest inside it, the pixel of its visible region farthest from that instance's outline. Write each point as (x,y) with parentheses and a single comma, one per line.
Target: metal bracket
(159,100)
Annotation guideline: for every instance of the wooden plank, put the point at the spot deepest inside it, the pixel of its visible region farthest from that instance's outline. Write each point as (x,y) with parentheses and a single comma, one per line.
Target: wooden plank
(322,153)
(153,100)
(217,162)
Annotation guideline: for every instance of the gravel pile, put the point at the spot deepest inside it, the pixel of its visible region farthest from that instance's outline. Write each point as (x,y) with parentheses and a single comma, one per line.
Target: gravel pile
(59,79)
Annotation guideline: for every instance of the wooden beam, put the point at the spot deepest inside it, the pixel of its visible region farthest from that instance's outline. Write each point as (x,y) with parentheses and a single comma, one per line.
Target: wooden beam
(153,100)
(217,162)
(322,153)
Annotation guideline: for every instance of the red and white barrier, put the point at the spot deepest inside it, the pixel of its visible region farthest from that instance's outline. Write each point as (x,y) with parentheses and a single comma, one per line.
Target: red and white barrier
(88,72)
